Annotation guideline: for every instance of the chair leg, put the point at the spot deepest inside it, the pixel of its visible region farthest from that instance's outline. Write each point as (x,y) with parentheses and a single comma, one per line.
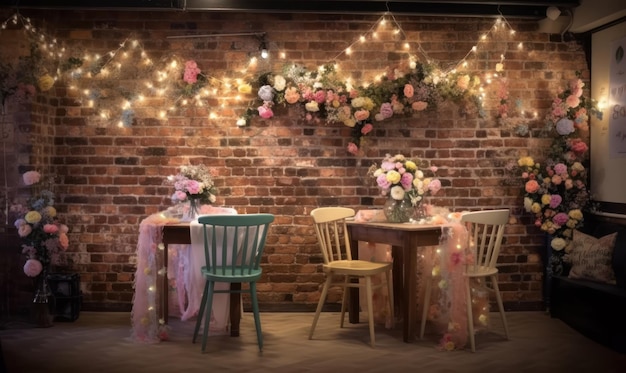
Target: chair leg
(426,304)
(470,317)
(390,292)
(494,281)
(320,304)
(257,318)
(200,312)
(344,297)
(370,309)
(207,317)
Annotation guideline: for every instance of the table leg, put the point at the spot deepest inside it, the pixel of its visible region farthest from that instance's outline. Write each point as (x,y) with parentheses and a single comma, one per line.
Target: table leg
(398,279)
(410,291)
(235,309)
(353,299)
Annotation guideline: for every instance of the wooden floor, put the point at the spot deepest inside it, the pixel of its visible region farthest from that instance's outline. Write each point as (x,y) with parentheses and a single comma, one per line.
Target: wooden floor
(100,342)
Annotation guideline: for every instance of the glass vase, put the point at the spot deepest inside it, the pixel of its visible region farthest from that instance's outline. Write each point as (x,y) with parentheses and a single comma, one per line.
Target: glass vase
(44,303)
(191,211)
(398,211)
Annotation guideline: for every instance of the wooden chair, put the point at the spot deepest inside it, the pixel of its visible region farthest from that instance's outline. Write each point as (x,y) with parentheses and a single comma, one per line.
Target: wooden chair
(334,242)
(233,246)
(485,231)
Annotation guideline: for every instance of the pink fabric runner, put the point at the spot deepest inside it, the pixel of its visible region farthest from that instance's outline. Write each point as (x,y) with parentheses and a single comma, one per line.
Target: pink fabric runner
(446,262)
(182,275)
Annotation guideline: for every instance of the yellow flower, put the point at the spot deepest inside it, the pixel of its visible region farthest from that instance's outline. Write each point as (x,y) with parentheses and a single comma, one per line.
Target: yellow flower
(545,199)
(526,162)
(33,217)
(410,166)
(51,211)
(244,88)
(576,214)
(449,346)
(336,103)
(45,82)
(535,208)
(393,177)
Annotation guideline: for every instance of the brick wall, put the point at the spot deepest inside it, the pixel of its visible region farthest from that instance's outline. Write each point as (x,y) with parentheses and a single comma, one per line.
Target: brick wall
(113,177)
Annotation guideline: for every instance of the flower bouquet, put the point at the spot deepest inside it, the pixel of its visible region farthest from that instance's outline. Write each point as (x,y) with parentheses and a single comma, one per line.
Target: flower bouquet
(405,185)
(193,185)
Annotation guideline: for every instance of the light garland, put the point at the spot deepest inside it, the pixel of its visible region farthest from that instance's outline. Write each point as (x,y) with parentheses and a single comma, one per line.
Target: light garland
(98,81)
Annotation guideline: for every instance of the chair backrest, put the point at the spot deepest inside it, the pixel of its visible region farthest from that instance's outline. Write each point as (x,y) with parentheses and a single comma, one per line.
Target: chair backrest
(485,231)
(234,244)
(332,233)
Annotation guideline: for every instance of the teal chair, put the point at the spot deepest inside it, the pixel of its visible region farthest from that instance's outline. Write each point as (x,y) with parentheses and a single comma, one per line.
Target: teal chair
(228,237)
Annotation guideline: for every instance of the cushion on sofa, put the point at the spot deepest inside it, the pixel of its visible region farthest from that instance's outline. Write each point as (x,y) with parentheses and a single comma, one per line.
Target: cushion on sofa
(591,257)
(619,249)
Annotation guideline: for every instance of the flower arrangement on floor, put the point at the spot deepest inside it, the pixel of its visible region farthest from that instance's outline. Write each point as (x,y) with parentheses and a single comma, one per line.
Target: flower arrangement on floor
(405,184)
(44,237)
(194,185)
(326,96)
(555,191)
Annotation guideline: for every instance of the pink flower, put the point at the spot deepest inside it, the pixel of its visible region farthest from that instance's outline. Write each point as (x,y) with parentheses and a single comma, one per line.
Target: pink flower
(179,195)
(382,181)
(265,112)
(193,187)
(50,228)
(532,186)
(434,186)
(191,72)
(352,148)
(320,96)
(555,200)
(360,115)
(32,268)
(408,90)
(572,101)
(64,241)
(367,128)
(31,177)
(386,110)
(24,230)
(407,180)
(557,180)
(578,146)
(560,219)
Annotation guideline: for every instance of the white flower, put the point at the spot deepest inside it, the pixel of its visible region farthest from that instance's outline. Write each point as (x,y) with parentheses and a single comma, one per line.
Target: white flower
(312,106)
(279,83)
(397,192)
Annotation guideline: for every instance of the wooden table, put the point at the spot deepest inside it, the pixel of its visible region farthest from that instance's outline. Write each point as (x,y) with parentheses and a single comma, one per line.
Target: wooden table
(180,234)
(405,240)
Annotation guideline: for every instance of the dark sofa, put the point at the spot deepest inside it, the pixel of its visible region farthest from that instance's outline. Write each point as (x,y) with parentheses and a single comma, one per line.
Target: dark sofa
(597,310)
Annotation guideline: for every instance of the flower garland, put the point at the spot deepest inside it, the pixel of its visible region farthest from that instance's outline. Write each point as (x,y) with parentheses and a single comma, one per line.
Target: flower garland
(324,96)
(555,191)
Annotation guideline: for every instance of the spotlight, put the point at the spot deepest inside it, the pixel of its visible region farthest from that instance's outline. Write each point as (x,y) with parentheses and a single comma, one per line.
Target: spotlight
(264,52)
(553,13)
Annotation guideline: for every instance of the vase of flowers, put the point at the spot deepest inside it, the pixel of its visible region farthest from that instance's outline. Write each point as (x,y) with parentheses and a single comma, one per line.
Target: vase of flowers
(193,186)
(405,185)
(44,240)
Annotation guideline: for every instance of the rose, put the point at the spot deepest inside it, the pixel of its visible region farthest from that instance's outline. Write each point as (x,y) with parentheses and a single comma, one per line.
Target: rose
(24,230)
(191,72)
(45,82)
(33,267)
(50,228)
(532,186)
(291,95)
(558,243)
(266,93)
(32,217)
(408,90)
(352,148)
(397,193)
(434,186)
(279,83)
(64,241)
(312,106)
(367,128)
(31,177)
(193,187)
(265,112)
(360,115)
(386,110)
(572,101)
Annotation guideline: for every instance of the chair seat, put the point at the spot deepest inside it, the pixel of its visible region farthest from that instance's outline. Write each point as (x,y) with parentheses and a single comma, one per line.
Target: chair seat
(356,267)
(232,274)
(480,271)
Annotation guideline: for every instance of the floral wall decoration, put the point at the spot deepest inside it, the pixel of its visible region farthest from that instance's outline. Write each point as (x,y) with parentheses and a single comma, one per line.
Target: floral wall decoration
(555,188)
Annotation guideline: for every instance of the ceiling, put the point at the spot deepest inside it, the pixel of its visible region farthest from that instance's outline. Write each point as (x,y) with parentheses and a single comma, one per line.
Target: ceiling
(508,8)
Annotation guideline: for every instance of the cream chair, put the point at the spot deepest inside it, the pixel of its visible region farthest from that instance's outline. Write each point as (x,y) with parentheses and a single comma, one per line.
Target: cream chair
(485,231)
(334,242)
